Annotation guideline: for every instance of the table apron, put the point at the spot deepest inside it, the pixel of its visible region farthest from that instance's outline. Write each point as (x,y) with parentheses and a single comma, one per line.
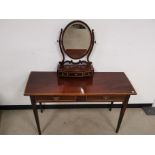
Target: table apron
(88,98)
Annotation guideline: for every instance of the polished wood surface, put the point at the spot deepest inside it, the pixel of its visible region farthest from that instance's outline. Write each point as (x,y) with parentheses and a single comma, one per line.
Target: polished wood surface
(102,83)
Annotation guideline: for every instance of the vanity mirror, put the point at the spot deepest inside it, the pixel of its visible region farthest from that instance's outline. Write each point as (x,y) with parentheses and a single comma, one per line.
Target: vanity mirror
(76,42)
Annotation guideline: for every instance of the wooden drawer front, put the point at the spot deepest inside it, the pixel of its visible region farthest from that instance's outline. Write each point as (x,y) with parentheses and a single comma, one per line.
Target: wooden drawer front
(81,99)
(106,98)
(75,74)
(55,98)
(88,74)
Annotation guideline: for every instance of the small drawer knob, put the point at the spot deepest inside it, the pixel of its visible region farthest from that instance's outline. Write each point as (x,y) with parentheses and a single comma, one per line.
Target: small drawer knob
(56,98)
(105,97)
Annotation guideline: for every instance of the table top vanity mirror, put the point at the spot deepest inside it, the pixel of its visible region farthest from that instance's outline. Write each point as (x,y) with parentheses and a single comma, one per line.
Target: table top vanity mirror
(76,42)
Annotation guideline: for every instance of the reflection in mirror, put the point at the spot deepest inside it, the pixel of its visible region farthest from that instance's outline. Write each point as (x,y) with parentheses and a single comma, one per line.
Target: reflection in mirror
(76,40)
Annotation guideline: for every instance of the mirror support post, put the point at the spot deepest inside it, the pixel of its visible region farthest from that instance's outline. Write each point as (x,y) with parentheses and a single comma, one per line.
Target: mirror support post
(60,45)
(91,46)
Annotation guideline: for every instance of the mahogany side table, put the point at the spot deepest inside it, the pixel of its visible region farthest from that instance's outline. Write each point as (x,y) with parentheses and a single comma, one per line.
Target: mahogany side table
(102,87)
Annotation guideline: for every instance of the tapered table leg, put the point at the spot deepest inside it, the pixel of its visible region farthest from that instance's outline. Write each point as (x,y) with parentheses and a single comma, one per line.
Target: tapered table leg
(124,105)
(35,111)
(41,107)
(111,106)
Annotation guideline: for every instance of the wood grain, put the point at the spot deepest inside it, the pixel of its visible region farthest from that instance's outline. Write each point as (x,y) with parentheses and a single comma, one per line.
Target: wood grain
(102,83)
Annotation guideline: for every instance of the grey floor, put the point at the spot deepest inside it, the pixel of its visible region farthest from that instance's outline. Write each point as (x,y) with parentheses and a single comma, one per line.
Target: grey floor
(76,121)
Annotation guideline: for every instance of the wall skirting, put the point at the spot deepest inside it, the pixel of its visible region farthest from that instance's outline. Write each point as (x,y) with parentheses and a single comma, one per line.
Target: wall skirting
(72,106)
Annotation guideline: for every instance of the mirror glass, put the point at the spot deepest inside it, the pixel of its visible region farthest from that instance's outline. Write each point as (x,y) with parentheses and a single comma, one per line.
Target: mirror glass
(76,40)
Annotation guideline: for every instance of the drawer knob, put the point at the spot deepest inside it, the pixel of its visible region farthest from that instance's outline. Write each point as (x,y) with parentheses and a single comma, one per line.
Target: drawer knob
(105,97)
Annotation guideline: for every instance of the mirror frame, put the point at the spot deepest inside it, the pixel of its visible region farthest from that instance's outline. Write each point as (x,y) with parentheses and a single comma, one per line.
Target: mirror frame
(68,25)
(62,48)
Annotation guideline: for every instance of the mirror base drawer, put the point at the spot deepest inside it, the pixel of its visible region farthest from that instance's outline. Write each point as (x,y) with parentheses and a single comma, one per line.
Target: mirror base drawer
(75,70)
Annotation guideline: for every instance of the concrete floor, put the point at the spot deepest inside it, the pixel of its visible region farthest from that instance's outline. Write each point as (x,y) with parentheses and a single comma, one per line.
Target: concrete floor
(76,122)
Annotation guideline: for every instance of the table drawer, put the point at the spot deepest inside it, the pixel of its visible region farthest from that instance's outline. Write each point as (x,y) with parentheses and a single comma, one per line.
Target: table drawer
(115,98)
(55,98)
(75,74)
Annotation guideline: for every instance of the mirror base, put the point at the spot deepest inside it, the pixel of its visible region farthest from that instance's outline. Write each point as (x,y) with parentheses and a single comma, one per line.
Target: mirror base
(75,70)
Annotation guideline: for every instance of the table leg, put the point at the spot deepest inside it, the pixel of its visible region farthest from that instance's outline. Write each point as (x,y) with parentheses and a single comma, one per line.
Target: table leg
(35,111)
(111,106)
(41,107)
(124,105)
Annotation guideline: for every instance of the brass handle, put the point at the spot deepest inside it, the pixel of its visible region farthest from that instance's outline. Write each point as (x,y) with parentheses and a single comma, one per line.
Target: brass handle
(56,98)
(105,97)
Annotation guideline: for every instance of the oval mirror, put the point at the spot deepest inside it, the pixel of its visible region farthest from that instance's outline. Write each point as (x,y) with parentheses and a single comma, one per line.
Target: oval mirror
(76,39)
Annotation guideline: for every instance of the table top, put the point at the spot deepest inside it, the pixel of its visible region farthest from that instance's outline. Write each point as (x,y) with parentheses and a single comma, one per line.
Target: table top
(102,83)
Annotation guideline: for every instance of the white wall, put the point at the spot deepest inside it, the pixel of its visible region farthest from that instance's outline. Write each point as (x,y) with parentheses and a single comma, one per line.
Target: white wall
(122,45)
